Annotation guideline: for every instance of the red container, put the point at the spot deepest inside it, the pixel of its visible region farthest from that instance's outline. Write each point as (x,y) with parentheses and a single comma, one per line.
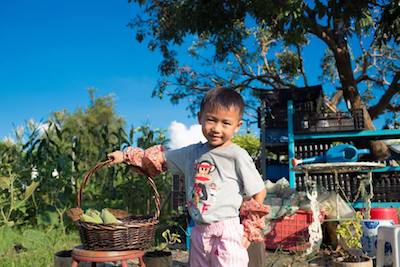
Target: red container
(290,233)
(384,214)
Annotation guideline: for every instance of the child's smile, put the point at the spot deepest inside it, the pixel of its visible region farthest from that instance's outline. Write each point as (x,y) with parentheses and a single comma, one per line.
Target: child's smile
(219,125)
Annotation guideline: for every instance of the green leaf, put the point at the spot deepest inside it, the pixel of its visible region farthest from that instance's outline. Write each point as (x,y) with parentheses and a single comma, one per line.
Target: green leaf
(166,235)
(30,189)
(5,182)
(47,218)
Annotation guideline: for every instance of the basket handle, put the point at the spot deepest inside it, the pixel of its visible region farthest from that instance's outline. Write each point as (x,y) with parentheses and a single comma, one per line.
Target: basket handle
(107,162)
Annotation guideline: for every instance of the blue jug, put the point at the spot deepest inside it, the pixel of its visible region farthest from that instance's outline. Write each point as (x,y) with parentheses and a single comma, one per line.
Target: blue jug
(339,153)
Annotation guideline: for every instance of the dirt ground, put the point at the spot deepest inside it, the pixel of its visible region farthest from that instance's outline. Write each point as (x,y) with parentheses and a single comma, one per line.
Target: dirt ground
(273,259)
(276,258)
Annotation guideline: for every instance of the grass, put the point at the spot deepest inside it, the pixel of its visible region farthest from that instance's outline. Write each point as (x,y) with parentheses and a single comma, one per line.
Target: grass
(33,247)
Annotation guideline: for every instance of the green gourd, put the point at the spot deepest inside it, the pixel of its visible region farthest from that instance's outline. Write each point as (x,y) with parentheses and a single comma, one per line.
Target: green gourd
(108,217)
(90,219)
(94,214)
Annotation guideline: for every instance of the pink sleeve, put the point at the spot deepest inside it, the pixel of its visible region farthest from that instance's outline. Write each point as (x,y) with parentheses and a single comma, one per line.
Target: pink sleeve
(134,156)
(151,160)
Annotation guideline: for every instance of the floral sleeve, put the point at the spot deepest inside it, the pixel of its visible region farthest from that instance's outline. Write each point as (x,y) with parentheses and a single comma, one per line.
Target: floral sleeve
(252,214)
(151,161)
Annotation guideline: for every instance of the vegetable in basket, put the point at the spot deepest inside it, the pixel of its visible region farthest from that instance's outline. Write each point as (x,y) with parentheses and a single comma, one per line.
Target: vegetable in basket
(108,217)
(94,216)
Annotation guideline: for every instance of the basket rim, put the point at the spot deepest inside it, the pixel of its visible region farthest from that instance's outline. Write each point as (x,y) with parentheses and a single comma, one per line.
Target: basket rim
(114,227)
(102,164)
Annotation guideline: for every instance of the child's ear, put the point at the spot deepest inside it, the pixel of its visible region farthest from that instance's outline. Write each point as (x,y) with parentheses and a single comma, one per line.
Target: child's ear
(238,127)
(199,117)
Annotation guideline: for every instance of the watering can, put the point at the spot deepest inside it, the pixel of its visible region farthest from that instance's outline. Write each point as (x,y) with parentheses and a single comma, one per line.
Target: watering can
(339,153)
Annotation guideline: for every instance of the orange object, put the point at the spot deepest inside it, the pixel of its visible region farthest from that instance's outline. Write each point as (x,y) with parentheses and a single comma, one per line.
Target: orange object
(79,254)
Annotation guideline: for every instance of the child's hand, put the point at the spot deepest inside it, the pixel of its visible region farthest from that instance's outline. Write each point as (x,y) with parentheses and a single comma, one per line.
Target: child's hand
(245,242)
(116,157)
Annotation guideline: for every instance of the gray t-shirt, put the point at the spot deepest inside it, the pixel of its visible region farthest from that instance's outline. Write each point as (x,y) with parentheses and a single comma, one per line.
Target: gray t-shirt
(215,179)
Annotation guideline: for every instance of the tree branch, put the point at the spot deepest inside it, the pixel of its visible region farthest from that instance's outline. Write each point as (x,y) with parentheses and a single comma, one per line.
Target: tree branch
(337,97)
(298,50)
(366,77)
(319,30)
(393,108)
(384,102)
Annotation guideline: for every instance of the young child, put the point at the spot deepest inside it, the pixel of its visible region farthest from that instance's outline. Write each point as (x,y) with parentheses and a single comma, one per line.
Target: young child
(217,176)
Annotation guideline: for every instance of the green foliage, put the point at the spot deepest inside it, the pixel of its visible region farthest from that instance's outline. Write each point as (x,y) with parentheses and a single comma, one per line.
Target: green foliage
(248,142)
(13,199)
(289,64)
(349,232)
(19,247)
(169,239)
(42,170)
(388,28)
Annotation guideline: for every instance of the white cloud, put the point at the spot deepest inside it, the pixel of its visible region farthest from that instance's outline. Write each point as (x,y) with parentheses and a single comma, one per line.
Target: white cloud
(23,131)
(181,136)
(42,127)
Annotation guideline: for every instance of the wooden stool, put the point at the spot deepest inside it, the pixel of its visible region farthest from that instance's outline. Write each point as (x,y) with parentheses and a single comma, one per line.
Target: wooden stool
(79,254)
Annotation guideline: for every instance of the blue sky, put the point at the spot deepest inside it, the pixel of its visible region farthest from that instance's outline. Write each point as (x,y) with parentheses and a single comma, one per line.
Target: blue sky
(53,51)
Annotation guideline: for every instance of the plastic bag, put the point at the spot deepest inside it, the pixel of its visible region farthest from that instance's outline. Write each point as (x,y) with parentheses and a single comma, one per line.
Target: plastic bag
(334,206)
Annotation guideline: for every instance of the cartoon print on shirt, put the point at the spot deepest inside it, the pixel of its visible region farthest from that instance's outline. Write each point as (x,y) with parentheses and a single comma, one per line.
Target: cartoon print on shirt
(204,187)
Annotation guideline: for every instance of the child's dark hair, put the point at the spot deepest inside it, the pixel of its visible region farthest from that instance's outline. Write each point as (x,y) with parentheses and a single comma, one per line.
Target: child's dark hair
(224,98)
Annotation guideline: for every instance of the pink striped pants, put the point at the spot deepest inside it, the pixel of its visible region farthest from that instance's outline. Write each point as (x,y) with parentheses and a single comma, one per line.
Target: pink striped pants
(218,244)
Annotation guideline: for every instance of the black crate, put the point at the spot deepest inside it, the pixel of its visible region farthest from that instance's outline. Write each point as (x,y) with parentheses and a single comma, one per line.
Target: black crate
(303,151)
(178,192)
(306,100)
(301,97)
(275,119)
(314,122)
(386,186)
(330,122)
(347,181)
(358,116)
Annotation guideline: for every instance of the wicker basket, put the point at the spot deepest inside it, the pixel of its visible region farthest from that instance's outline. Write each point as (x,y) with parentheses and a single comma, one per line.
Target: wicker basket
(136,232)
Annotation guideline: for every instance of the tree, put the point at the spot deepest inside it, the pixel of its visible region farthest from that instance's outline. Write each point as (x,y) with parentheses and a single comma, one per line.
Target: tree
(259,44)
(248,142)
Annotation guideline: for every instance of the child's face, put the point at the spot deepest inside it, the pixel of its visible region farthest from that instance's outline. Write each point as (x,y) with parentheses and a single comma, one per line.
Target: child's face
(219,125)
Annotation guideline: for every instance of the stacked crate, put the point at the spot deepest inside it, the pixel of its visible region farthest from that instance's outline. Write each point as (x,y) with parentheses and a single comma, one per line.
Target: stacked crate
(306,103)
(178,192)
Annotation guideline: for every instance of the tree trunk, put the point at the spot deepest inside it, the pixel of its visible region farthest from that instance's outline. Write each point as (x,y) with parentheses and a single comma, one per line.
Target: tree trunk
(379,150)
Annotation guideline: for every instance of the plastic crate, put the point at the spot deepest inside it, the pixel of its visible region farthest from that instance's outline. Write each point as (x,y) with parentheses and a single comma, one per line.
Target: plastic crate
(386,186)
(348,182)
(178,192)
(330,122)
(315,122)
(290,233)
